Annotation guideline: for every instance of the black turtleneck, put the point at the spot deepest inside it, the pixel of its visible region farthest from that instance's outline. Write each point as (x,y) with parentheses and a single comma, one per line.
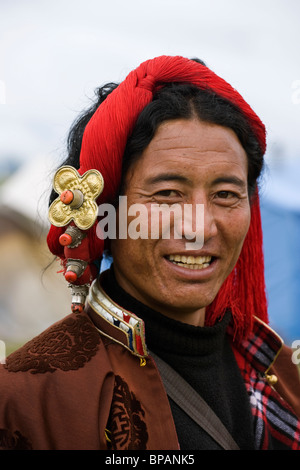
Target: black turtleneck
(204,358)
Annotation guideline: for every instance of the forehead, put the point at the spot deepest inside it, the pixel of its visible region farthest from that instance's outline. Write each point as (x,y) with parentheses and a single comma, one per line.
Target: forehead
(193,148)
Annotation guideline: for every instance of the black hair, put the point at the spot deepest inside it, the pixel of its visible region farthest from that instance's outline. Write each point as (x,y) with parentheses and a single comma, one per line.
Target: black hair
(173,101)
(185,101)
(75,135)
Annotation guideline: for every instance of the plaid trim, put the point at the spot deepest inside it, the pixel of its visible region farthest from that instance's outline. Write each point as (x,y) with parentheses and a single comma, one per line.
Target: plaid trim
(275,424)
(261,347)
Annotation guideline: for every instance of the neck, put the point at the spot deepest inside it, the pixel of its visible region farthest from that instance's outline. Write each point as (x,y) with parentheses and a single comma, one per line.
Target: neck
(195,317)
(165,333)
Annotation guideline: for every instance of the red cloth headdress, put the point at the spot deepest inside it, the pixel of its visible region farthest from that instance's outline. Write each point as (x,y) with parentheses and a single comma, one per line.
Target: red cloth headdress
(103,145)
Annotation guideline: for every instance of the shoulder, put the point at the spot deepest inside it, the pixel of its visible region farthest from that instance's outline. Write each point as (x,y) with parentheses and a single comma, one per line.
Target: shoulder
(52,386)
(66,345)
(288,374)
(267,363)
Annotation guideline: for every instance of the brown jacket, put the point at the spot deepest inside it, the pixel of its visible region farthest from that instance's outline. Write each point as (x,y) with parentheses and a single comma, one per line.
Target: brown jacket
(73,388)
(58,391)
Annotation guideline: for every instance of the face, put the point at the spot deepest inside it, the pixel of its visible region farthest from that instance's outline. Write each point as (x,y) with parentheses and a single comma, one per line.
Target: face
(187,162)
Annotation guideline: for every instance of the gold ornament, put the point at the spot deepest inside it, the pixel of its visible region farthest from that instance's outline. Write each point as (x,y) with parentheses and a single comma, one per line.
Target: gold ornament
(77,200)
(272,379)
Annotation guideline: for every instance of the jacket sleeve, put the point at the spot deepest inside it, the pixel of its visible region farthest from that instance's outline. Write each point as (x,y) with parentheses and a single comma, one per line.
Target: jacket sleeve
(288,383)
(56,391)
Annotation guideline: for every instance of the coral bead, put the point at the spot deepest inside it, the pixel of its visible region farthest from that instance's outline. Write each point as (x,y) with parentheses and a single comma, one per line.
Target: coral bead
(70,276)
(67,197)
(65,239)
(77,308)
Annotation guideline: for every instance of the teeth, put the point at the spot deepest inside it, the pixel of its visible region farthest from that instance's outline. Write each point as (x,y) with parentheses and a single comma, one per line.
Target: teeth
(191,262)
(190,259)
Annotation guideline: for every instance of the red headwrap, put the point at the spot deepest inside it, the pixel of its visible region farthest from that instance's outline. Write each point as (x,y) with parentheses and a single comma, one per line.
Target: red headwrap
(103,145)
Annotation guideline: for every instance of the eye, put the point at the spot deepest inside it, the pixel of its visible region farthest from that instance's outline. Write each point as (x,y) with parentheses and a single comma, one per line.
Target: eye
(167,196)
(226,198)
(226,194)
(167,193)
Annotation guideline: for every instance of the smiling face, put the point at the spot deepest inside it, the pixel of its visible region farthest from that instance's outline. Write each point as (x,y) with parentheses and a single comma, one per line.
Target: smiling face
(187,162)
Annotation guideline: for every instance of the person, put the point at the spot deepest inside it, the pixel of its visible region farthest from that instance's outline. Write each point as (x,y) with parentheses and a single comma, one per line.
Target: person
(172,135)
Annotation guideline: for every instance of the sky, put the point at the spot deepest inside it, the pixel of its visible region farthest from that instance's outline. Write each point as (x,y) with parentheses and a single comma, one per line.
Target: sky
(55,53)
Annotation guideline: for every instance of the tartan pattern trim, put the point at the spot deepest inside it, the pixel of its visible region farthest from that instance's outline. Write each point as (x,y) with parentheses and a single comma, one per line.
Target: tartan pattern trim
(275,424)
(261,347)
(276,427)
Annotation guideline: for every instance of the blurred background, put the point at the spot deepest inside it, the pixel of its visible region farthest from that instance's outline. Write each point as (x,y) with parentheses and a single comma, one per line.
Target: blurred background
(53,54)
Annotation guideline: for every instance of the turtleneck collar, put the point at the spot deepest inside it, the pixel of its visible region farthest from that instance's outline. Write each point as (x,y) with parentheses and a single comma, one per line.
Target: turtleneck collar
(164,334)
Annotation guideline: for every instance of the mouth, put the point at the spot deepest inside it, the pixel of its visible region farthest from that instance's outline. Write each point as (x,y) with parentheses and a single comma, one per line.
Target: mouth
(191,262)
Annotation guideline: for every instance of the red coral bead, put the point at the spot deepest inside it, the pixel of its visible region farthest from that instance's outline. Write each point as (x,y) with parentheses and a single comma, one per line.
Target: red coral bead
(77,308)
(65,239)
(70,276)
(67,196)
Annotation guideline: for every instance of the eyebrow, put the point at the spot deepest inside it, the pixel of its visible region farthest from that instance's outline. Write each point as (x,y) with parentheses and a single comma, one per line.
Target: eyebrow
(167,177)
(182,179)
(232,180)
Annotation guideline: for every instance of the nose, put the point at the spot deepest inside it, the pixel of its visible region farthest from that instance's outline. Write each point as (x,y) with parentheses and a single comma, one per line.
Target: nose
(199,223)
(210,223)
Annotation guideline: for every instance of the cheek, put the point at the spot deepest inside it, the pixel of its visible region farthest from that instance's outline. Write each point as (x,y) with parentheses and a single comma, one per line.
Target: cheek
(233,228)
(133,257)
(238,228)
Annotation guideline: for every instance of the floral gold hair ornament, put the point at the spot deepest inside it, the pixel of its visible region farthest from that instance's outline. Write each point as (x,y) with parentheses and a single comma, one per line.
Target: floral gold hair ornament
(76,209)
(77,197)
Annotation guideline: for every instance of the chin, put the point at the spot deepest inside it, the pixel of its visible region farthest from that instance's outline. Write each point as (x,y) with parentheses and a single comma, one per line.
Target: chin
(186,305)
